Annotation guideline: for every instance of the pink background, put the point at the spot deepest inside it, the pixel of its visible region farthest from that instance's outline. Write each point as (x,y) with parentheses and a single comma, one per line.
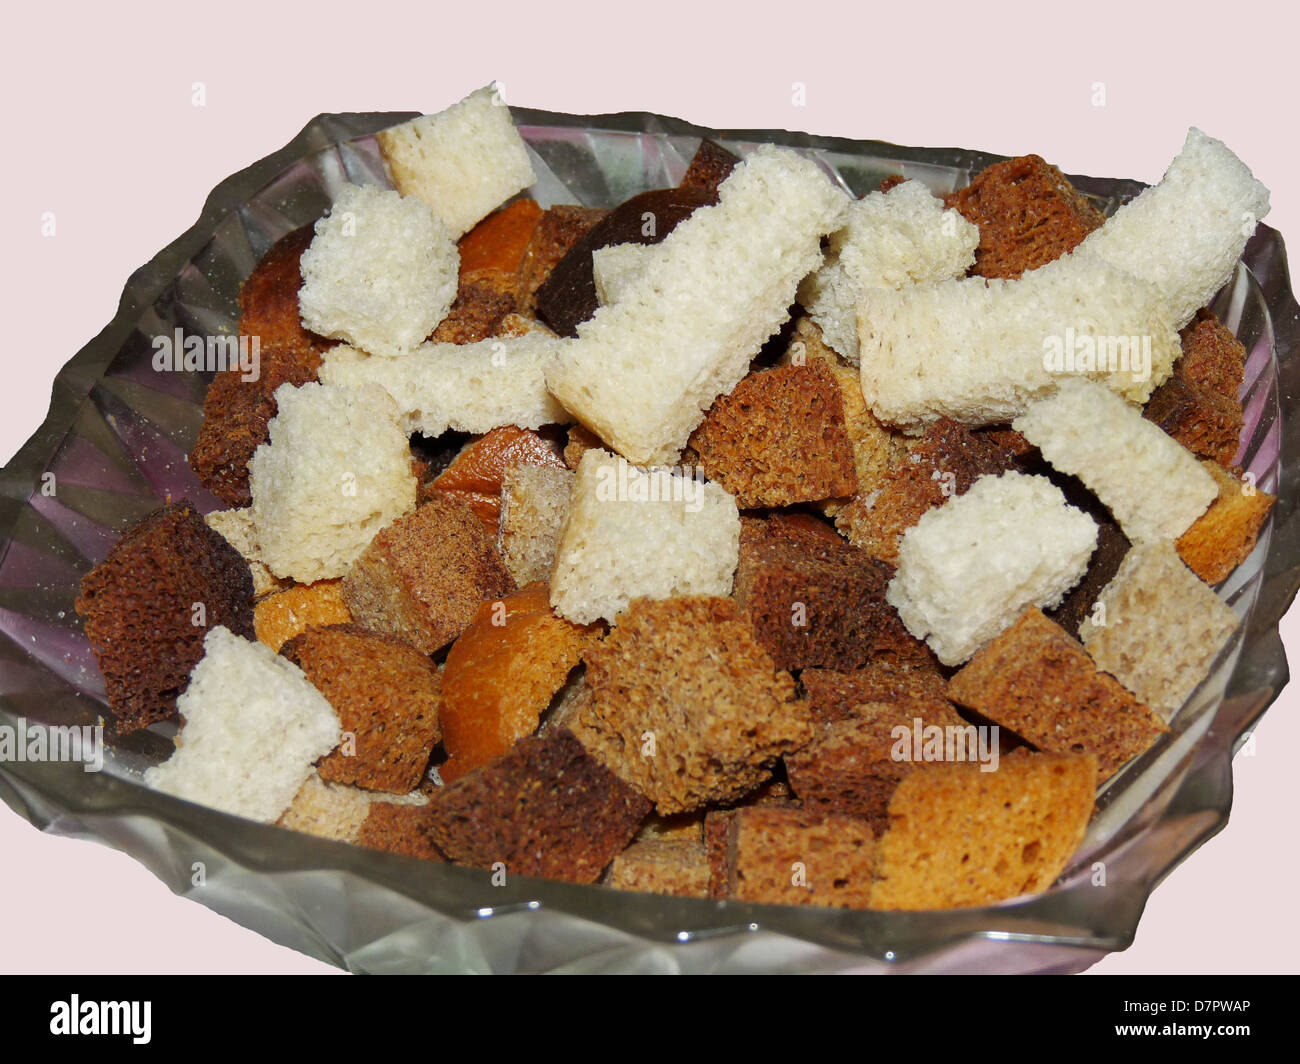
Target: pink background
(103,133)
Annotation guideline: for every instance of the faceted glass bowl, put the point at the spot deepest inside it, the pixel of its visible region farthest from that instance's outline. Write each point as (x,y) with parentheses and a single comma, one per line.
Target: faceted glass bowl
(116,438)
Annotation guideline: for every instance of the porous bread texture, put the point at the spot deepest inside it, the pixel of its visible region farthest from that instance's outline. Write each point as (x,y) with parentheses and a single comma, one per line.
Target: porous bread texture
(534,503)
(969,568)
(662,866)
(1157,628)
(959,836)
(236,527)
(380,273)
(337,811)
(614,267)
(148,604)
(254,726)
(387,696)
(463,162)
(337,469)
(980,350)
(1185,234)
(466,387)
(799,857)
(890,240)
(285,614)
(1037,681)
(686,706)
(1152,485)
(636,533)
(1223,537)
(645,368)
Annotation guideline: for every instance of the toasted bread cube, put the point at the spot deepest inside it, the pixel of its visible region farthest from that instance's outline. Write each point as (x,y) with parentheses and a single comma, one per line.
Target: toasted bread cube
(400,828)
(1039,682)
(799,857)
(968,569)
(547,808)
(959,836)
(423,577)
(686,706)
(534,506)
(634,533)
(493,251)
(387,696)
(280,617)
(1223,537)
(380,273)
(850,767)
(711,165)
(779,438)
(338,812)
(1159,628)
(254,726)
(944,462)
(501,674)
(149,605)
(337,469)
(463,162)
(813,602)
(1154,487)
(662,866)
(1028,214)
(707,319)
(834,695)
(561,227)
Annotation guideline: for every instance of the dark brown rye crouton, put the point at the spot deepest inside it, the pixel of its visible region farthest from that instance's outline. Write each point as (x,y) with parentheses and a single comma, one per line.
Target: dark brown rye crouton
(147,607)
(547,809)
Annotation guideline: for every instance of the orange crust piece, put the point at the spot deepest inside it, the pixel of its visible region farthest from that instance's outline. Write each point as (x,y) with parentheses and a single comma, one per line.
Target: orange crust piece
(282,615)
(1223,536)
(474,476)
(501,675)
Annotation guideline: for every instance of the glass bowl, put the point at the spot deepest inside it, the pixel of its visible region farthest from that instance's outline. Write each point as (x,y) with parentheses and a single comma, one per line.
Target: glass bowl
(116,438)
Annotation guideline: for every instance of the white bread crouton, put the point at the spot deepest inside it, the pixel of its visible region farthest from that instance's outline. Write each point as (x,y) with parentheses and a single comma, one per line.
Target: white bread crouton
(468,387)
(534,503)
(1152,485)
(1186,234)
(979,350)
(236,527)
(254,727)
(337,469)
(970,567)
(1157,627)
(646,367)
(891,240)
(633,533)
(463,162)
(381,271)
